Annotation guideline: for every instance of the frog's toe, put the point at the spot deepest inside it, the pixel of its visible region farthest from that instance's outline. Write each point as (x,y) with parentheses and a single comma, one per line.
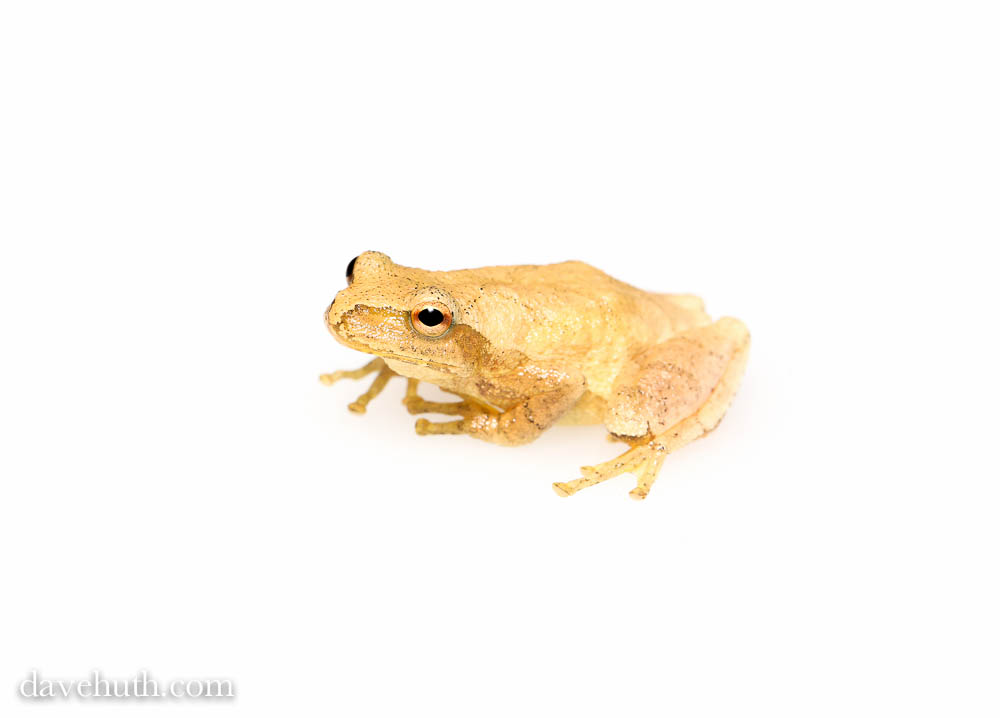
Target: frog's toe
(643,460)
(376,364)
(638,493)
(417,405)
(563,488)
(426,428)
(360,405)
(568,488)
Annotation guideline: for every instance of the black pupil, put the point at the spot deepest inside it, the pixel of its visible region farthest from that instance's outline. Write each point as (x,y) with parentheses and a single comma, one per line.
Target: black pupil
(430,317)
(350,267)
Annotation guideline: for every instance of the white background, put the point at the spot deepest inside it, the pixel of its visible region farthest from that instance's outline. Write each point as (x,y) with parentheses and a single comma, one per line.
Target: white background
(183,184)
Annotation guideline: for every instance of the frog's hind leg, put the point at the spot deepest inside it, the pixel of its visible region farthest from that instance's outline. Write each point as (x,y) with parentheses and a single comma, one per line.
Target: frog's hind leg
(673,394)
(360,405)
(643,460)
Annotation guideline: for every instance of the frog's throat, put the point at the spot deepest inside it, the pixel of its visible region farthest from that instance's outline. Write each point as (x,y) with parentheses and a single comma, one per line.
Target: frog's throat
(448,368)
(403,359)
(415,361)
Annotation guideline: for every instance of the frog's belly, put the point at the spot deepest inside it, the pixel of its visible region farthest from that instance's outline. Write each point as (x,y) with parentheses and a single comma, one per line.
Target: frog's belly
(589,409)
(440,377)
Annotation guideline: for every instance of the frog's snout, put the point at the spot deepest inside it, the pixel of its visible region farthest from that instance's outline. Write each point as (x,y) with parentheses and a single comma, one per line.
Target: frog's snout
(331,316)
(335,317)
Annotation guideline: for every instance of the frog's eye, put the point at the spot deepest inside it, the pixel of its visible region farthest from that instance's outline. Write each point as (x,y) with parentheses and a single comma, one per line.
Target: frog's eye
(431,319)
(350,271)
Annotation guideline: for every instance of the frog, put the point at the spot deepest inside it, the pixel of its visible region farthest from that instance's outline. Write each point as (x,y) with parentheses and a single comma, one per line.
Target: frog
(524,348)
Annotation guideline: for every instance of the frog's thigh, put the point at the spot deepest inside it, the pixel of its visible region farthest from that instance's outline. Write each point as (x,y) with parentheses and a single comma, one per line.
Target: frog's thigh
(695,373)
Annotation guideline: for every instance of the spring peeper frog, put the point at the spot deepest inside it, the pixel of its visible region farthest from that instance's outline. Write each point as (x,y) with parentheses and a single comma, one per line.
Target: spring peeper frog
(527,347)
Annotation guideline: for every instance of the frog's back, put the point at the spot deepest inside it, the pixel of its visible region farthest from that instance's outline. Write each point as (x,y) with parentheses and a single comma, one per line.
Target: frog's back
(575,313)
(576,287)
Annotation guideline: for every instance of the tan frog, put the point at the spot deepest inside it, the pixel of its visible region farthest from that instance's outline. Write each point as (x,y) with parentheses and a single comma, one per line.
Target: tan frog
(527,347)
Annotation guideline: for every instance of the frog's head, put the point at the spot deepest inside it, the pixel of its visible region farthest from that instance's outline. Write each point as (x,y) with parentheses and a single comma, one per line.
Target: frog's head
(403,314)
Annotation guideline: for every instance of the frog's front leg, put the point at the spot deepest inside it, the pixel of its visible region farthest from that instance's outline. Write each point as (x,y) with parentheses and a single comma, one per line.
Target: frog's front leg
(359,405)
(520,424)
(416,404)
(467,408)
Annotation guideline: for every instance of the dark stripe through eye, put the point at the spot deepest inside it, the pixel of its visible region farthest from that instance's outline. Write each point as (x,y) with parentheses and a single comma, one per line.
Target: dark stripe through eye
(350,267)
(430,317)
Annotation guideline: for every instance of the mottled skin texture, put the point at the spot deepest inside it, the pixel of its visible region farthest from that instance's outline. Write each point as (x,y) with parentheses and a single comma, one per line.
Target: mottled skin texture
(531,346)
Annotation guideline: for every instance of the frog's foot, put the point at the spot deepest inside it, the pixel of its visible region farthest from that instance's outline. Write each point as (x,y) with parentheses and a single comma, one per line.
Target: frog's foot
(416,404)
(359,405)
(470,411)
(643,459)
